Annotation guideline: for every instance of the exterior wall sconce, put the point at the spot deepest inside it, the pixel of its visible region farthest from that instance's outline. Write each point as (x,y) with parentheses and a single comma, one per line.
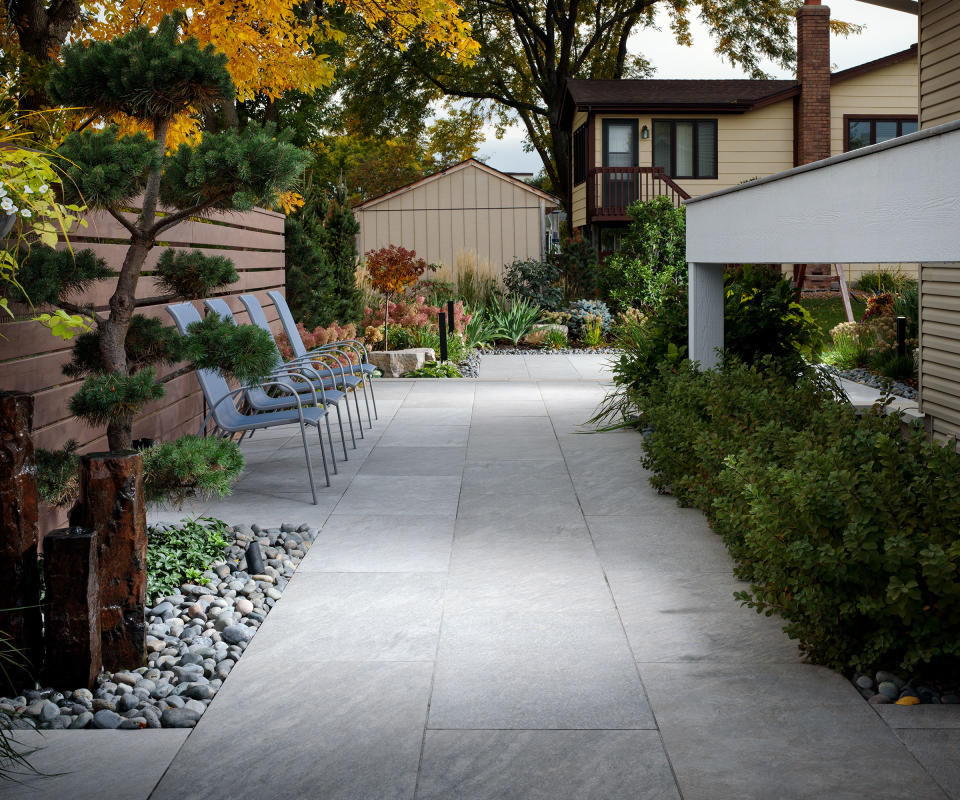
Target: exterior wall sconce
(644,132)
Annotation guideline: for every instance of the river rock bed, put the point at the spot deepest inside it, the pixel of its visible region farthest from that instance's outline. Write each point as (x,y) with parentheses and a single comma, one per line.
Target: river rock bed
(194,639)
(871,379)
(560,351)
(884,688)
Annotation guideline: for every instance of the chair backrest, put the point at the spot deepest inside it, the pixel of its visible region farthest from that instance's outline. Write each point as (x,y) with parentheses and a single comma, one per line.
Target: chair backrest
(212,383)
(255,310)
(289,326)
(220,306)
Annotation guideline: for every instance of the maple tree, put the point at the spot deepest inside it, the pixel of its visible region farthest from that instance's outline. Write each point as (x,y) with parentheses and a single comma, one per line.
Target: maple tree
(392,269)
(272,46)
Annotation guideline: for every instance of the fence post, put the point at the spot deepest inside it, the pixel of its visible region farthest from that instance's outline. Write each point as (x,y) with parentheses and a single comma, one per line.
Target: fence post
(111,503)
(19,571)
(73,608)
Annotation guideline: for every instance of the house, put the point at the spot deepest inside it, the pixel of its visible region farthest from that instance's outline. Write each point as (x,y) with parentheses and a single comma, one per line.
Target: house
(470,212)
(636,139)
(897,199)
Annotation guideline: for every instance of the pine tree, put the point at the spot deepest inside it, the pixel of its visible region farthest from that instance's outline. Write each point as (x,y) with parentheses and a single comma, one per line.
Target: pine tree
(153,76)
(321,260)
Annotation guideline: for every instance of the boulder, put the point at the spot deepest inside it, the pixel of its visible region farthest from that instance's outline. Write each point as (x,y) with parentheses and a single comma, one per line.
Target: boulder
(393,363)
(538,333)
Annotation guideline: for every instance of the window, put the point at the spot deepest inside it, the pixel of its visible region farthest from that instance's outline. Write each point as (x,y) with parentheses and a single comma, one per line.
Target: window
(686,148)
(620,143)
(580,155)
(863,131)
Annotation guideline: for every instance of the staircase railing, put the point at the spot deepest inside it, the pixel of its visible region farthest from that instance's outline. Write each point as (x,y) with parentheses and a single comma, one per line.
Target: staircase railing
(615,188)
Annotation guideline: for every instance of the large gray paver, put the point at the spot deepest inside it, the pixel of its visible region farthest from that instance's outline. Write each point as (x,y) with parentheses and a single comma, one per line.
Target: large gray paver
(300,729)
(458,621)
(784,731)
(534,669)
(545,765)
(91,765)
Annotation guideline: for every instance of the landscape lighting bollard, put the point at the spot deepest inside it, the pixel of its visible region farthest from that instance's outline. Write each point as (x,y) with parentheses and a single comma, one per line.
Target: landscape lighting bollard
(450,315)
(901,336)
(443,336)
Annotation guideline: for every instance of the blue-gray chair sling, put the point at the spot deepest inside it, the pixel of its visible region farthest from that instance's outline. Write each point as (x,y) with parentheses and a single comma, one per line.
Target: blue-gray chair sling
(304,379)
(336,371)
(363,368)
(227,417)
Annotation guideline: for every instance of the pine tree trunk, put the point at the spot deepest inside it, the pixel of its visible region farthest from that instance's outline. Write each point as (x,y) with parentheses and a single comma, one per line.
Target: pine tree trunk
(124,300)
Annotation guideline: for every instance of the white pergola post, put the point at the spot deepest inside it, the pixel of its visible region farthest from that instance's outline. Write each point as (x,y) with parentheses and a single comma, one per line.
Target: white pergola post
(706,314)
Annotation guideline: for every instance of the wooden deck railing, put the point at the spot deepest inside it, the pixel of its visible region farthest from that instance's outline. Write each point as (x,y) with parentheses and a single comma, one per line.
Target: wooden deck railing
(615,188)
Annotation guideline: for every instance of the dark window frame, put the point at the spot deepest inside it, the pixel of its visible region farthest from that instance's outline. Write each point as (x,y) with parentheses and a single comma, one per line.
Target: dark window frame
(873,119)
(580,155)
(672,169)
(635,124)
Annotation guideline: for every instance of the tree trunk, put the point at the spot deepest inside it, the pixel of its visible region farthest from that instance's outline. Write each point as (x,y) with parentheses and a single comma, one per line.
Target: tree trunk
(124,300)
(41,33)
(560,139)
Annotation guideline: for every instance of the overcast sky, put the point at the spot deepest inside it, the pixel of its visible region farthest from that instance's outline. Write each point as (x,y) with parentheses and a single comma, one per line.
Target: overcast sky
(885,32)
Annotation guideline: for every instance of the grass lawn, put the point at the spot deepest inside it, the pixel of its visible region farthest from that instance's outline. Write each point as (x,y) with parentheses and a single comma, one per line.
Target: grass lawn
(828,311)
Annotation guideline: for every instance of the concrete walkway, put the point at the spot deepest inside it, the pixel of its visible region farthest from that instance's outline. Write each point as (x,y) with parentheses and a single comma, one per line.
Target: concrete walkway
(500,607)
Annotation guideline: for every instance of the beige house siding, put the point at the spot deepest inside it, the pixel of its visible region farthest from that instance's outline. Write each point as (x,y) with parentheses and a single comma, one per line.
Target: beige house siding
(467,213)
(882,91)
(939,61)
(748,145)
(578,198)
(940,283)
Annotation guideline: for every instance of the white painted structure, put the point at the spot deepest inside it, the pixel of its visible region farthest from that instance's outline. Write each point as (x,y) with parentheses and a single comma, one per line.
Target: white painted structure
(895,201)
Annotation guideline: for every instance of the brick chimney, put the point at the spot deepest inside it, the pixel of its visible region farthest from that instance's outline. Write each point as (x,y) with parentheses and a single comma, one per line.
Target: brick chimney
(813,73)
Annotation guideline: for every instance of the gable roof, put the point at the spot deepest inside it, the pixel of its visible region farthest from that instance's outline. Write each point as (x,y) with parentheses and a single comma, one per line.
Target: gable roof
(470,162)
(718,95)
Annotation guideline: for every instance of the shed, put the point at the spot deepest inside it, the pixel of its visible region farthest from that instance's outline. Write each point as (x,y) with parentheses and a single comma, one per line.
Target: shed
(468,213)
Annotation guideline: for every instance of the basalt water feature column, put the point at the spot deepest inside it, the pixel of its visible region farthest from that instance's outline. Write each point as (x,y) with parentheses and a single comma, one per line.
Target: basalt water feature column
(19,573)
(111,503)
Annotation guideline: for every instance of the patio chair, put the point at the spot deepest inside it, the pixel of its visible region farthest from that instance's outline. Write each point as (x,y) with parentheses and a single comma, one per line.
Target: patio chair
(306,380)
(364,368)
(227,417)
(337,372)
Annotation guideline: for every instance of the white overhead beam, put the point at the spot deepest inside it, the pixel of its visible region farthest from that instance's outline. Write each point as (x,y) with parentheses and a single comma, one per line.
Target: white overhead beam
(894,202)
(907,6)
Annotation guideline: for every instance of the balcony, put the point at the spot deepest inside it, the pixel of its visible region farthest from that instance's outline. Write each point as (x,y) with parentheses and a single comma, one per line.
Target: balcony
(610,190)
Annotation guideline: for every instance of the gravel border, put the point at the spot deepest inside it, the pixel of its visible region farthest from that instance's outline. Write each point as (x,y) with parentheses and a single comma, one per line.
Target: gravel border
(568,351)
(194,639)
(874,381)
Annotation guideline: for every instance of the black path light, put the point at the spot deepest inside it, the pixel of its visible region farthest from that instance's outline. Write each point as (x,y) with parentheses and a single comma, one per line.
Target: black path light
(443,336)
(450,315)
(901,336)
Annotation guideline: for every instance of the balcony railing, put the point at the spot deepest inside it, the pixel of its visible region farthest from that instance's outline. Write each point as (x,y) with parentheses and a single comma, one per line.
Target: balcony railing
(612,189)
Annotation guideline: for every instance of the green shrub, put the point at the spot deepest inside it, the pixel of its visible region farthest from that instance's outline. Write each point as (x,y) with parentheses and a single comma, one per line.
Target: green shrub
(885,280)
(179,554)
(842,525)
(535,281)
(578,264)
(148,342)
(57,477)
(192,274)
(481,330)
(763,318)
(111,397)
(651,259)
(511,318)
(435,369)
(888,364)
(580,311)
(554,339)
(244,352)
(191,466)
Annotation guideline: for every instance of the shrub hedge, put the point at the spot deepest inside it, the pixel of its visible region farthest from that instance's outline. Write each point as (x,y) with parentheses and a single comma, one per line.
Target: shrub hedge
(842,524)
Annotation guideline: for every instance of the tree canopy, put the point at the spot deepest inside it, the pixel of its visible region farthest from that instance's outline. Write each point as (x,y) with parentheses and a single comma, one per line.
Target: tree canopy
(527,50)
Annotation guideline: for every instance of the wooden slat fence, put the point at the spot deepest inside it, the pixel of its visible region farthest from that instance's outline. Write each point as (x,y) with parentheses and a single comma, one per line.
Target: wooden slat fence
(31,358)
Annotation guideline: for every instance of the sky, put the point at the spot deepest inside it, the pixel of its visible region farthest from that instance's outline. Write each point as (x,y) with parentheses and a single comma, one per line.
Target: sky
(885,32)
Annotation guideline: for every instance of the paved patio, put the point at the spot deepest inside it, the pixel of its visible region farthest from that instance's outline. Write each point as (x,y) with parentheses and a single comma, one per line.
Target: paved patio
(500,607)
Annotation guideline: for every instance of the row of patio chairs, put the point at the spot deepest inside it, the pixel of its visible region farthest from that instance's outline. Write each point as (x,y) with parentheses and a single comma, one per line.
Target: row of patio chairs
(300,392)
